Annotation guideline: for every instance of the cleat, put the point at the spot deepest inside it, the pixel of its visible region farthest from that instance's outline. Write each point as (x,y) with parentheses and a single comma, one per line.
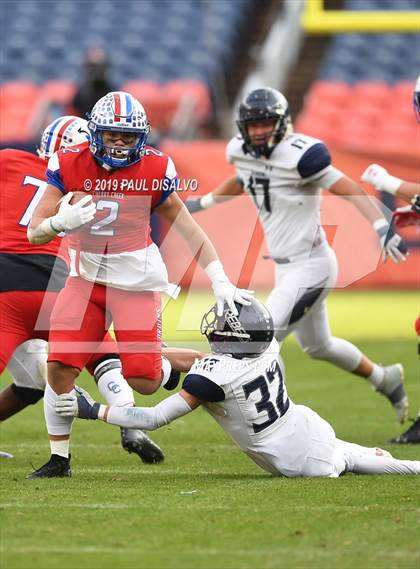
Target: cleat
(134,440)
(56,467)
(410,436)
(5,455)
(392,387)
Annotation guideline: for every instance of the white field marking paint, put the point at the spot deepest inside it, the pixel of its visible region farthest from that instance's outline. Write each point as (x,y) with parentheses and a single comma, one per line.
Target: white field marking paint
(87,506)
(113,445)
(303,552)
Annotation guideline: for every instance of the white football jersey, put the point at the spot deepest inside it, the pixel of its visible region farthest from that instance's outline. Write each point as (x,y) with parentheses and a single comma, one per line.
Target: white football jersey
(286,189)
(256,408)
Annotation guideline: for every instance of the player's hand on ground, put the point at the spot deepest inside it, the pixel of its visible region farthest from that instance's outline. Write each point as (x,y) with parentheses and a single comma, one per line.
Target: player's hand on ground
(73,216)
(81,405)
(226,292)
(193,205)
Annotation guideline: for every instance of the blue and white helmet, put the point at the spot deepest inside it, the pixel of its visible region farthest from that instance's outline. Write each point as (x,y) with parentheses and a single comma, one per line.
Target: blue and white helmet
(62,133)
(118,112)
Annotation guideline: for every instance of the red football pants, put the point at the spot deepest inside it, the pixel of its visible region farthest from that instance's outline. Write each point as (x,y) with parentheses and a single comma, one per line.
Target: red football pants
(85,310)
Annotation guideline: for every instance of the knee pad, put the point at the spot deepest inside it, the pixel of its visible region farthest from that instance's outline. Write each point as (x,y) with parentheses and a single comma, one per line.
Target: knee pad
(28,365)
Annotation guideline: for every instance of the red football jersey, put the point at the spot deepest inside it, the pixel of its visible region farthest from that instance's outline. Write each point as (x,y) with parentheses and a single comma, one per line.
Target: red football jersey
(124,197)
(23,182)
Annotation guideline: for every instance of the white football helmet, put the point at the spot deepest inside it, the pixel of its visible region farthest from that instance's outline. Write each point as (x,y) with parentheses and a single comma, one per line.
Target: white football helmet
(63,132)
(118,112)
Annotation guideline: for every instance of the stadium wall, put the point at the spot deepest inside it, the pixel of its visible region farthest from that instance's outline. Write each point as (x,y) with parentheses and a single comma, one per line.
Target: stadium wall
(237,235)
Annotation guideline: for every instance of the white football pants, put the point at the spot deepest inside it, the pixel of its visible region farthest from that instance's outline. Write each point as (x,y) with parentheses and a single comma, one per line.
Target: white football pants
(294,309)
(307,446)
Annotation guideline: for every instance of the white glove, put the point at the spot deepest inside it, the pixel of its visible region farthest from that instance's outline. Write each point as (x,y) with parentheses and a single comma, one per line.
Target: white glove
(224,290)
(380,179)
(392,244)
(71,217)
(81,405)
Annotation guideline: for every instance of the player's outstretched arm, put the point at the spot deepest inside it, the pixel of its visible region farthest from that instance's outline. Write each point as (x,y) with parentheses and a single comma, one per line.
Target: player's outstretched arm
(177,215)
(380,179)
(229,189)
(391,243)
(83,406)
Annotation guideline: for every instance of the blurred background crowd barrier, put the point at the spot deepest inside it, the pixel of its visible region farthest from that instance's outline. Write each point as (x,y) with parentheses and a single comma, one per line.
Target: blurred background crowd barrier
(347,67)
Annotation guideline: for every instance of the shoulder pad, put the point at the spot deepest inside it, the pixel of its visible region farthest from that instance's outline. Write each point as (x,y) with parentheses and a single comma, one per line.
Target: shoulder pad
(315,159)
(234,147)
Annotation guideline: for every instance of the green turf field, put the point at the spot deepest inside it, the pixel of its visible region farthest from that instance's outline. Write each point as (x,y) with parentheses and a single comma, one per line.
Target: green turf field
(207,505)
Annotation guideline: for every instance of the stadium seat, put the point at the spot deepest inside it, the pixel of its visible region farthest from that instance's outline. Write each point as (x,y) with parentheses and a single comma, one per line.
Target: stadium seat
(190,92)
(59,92)
(150,94)
(328,92)
(16,93)
(372,92)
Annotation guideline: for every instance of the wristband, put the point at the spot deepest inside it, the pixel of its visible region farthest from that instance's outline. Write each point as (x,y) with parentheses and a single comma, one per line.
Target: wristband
(390,184)
(207,201)
(380,224)
(47,227)
(215,272)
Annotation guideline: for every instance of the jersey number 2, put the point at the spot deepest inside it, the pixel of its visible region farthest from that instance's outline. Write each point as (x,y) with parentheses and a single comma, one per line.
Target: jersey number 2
(99,227)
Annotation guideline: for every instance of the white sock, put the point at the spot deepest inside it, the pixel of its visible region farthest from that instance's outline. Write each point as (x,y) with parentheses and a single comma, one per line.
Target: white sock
(166,370)
(56,424)
(377,375)
(112,384)
(60,447)
(361,460)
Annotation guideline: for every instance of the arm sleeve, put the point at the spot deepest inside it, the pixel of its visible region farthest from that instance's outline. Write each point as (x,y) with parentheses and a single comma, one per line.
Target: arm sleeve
(203,388)
(149,418)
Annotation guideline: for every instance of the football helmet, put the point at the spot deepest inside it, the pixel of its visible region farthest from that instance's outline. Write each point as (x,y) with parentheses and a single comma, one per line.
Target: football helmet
(416,99)
(264,104)
(118,112)
(61,133)
(246,335)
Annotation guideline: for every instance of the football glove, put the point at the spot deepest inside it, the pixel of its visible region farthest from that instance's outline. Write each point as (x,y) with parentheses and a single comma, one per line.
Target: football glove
(380,179)
(391,243)
(80,405)
(224,290)
(405,216)
(70,217)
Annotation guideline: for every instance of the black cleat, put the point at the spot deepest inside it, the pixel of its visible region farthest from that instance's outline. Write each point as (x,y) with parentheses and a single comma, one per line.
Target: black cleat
(134,440)
(411,435)
(56,467)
